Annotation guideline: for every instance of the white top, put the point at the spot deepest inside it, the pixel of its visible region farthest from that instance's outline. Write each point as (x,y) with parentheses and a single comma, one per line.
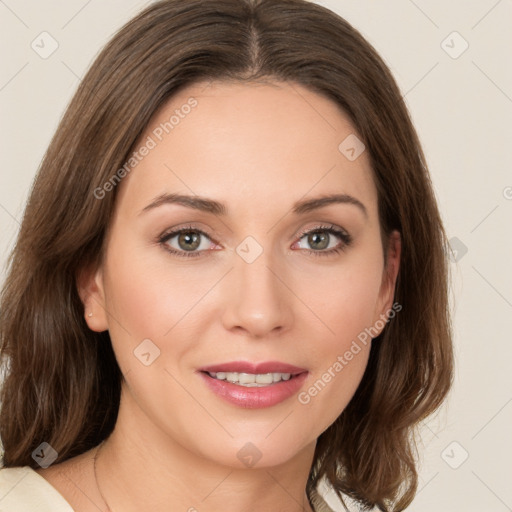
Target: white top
(24,490)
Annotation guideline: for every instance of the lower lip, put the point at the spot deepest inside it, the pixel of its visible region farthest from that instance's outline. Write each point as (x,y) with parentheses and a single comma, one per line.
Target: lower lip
(255,397)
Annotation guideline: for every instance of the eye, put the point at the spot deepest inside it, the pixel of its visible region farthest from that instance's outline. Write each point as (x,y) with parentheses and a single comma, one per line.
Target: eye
(322,240)
(190,241)
(187,241)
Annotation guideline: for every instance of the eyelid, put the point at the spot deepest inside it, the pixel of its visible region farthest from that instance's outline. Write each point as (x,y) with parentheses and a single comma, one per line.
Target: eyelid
(324,227)
(171,232)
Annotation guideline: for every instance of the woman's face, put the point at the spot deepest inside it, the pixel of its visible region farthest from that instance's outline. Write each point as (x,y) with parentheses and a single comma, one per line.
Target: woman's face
(262,280)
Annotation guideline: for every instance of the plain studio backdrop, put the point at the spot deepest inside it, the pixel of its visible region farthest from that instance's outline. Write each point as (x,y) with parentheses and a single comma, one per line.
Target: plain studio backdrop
(452,61)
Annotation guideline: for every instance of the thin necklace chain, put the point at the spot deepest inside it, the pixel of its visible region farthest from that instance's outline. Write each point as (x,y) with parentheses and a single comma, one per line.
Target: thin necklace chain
(96,478)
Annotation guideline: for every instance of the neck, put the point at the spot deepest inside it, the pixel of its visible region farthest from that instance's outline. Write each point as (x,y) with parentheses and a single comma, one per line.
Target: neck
(141,467)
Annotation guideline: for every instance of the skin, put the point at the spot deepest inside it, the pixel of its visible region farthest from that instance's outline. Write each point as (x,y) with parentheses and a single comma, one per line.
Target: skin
(257,148)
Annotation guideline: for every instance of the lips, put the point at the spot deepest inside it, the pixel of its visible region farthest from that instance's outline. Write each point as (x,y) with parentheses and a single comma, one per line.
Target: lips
(254,397)
(256,368)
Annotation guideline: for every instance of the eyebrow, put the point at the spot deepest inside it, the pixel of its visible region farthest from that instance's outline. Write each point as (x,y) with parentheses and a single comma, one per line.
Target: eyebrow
(205,204)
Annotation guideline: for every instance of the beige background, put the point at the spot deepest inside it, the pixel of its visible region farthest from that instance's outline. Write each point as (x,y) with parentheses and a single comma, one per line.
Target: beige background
(461,104)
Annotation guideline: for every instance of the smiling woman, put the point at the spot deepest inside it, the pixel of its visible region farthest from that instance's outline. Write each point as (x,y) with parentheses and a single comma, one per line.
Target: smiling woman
(230,282)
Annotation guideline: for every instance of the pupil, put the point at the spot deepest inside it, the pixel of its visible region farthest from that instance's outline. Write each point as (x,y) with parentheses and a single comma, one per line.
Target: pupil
(321,241)
(189,238)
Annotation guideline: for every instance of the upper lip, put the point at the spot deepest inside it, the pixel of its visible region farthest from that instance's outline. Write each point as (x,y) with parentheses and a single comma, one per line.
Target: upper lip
(255,368)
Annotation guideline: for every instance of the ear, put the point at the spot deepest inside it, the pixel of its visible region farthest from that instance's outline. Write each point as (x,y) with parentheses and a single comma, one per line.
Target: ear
(90,288)
(389,277)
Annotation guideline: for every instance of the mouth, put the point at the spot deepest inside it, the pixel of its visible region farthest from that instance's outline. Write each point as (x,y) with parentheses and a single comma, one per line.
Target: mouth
(254,385)
(251,380)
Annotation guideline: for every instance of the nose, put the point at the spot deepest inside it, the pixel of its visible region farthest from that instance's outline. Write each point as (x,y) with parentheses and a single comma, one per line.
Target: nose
(258,303)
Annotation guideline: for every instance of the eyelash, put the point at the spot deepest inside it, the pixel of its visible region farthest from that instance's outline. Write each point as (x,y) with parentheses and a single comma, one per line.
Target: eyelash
(331,229)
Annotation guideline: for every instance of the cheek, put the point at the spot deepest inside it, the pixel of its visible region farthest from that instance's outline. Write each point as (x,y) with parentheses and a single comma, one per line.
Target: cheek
(329,390)
(350,309)
(340,356)
(148,287)
(345,299)
(145,299)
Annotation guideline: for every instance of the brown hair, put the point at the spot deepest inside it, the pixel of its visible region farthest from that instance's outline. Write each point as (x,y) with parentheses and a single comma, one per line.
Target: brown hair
(62,382)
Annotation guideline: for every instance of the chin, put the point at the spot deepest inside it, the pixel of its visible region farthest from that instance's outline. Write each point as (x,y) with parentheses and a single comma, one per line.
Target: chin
(256,451)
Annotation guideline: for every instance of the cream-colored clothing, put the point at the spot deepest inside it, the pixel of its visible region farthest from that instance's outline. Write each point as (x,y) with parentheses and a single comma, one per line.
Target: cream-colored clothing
(24,490)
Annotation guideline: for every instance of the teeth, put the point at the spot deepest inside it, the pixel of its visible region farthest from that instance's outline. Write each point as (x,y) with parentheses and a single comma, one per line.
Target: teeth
(231,376)
(250,379)
(247,378)
(265,378)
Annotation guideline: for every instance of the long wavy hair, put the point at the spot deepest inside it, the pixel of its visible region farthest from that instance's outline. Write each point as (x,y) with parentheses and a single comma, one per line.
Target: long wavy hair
(61,380)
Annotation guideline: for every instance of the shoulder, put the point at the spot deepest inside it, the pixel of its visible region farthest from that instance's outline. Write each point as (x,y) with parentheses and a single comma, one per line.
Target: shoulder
(22,489)
(319,503)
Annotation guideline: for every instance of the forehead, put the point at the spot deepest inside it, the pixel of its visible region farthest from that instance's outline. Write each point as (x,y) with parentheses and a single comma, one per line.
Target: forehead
(247,144)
